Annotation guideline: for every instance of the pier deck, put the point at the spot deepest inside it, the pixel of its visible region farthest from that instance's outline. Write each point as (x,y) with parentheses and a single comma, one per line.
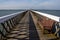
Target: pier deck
(25,30)
(28,27)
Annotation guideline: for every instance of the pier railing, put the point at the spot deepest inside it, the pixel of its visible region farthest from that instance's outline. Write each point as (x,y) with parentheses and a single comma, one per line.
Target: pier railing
(8,22)
(56,25)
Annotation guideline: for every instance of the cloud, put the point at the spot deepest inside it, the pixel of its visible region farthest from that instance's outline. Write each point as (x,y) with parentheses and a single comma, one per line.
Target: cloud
(51,4)
(29,4)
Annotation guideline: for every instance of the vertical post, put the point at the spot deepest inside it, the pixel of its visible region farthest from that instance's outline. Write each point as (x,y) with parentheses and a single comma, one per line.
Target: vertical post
(8,25)
(11,22)
(2,36)
(2,30)
(4,27)
(57,29)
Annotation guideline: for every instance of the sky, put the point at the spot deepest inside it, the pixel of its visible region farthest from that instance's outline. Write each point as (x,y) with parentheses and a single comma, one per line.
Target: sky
(30,4)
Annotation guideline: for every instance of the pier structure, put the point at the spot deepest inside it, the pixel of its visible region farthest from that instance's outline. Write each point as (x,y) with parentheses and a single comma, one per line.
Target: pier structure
(29,25)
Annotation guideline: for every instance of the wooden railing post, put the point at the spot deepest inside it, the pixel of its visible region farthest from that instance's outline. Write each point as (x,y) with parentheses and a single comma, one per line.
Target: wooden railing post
(7,23)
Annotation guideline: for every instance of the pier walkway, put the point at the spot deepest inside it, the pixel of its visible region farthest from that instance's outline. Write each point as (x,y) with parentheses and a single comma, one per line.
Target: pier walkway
(24,26)
(25,30)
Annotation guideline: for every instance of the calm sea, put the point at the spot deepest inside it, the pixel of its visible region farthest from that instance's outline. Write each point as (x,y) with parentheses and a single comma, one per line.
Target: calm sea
(7,12)
(53,12)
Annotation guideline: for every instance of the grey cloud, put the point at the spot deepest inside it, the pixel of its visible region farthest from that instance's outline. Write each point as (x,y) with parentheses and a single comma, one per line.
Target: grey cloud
(51,4)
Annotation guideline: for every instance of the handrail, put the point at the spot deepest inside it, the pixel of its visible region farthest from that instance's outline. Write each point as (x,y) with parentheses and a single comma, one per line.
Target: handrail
(6,17)
(8,22)
(53,17)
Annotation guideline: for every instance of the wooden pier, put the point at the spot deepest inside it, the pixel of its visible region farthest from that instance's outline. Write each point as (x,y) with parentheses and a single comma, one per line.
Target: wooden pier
(25,26)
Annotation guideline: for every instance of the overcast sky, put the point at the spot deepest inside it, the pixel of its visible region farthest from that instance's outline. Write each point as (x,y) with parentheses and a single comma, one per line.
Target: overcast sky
(30,4)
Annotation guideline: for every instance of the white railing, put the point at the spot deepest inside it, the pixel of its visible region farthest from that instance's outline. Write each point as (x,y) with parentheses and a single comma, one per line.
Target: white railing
(6,17)
(53,17)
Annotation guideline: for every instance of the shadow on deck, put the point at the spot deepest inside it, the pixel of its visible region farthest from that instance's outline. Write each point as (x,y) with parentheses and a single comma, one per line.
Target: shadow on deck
(25,30)
(32,30)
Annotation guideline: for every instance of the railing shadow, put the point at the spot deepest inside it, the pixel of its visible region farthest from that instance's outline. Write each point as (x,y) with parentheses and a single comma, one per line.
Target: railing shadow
(25,31)
(32,29)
